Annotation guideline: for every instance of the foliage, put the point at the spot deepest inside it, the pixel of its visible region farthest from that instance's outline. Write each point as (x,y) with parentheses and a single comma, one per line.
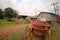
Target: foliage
(1,14)
(10,13)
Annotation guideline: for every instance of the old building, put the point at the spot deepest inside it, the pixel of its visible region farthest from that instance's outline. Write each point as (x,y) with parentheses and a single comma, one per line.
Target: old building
(22,16)
(33,18)
(48,16)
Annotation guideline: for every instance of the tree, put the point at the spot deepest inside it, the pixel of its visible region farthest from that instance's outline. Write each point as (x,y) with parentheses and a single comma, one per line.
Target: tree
(15,14)
(10,13)
(1,14)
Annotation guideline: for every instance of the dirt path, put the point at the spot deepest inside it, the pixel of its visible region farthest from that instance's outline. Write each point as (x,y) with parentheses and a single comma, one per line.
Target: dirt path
(5,33)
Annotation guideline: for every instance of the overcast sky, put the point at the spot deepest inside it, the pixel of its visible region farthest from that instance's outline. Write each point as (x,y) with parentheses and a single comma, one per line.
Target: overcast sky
(29,7)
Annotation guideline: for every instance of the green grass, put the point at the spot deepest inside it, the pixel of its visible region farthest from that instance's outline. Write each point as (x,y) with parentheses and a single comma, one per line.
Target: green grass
(5,23)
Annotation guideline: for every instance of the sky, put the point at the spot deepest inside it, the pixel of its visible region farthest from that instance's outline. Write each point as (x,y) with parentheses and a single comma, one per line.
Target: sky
(29,7)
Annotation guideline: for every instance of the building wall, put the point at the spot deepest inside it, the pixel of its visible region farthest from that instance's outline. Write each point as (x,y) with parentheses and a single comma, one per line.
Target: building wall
(48,16)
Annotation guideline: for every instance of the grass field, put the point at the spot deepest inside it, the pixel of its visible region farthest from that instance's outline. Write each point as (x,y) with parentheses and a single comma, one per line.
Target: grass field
(56,32)
(5,23)
(24,33)
(21,33)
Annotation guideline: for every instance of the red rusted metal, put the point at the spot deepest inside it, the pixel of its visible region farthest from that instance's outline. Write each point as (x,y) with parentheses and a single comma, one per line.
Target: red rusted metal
(38,28)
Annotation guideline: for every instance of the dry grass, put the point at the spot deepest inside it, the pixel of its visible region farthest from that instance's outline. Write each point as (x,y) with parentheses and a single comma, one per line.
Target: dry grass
(22,29)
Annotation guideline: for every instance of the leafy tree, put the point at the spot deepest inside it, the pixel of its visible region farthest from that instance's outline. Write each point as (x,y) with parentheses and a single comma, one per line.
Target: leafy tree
(15,13)
(10,13)
(1,14)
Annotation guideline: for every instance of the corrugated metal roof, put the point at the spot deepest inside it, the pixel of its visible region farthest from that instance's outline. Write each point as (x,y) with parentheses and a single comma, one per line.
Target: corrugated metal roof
(48,13)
